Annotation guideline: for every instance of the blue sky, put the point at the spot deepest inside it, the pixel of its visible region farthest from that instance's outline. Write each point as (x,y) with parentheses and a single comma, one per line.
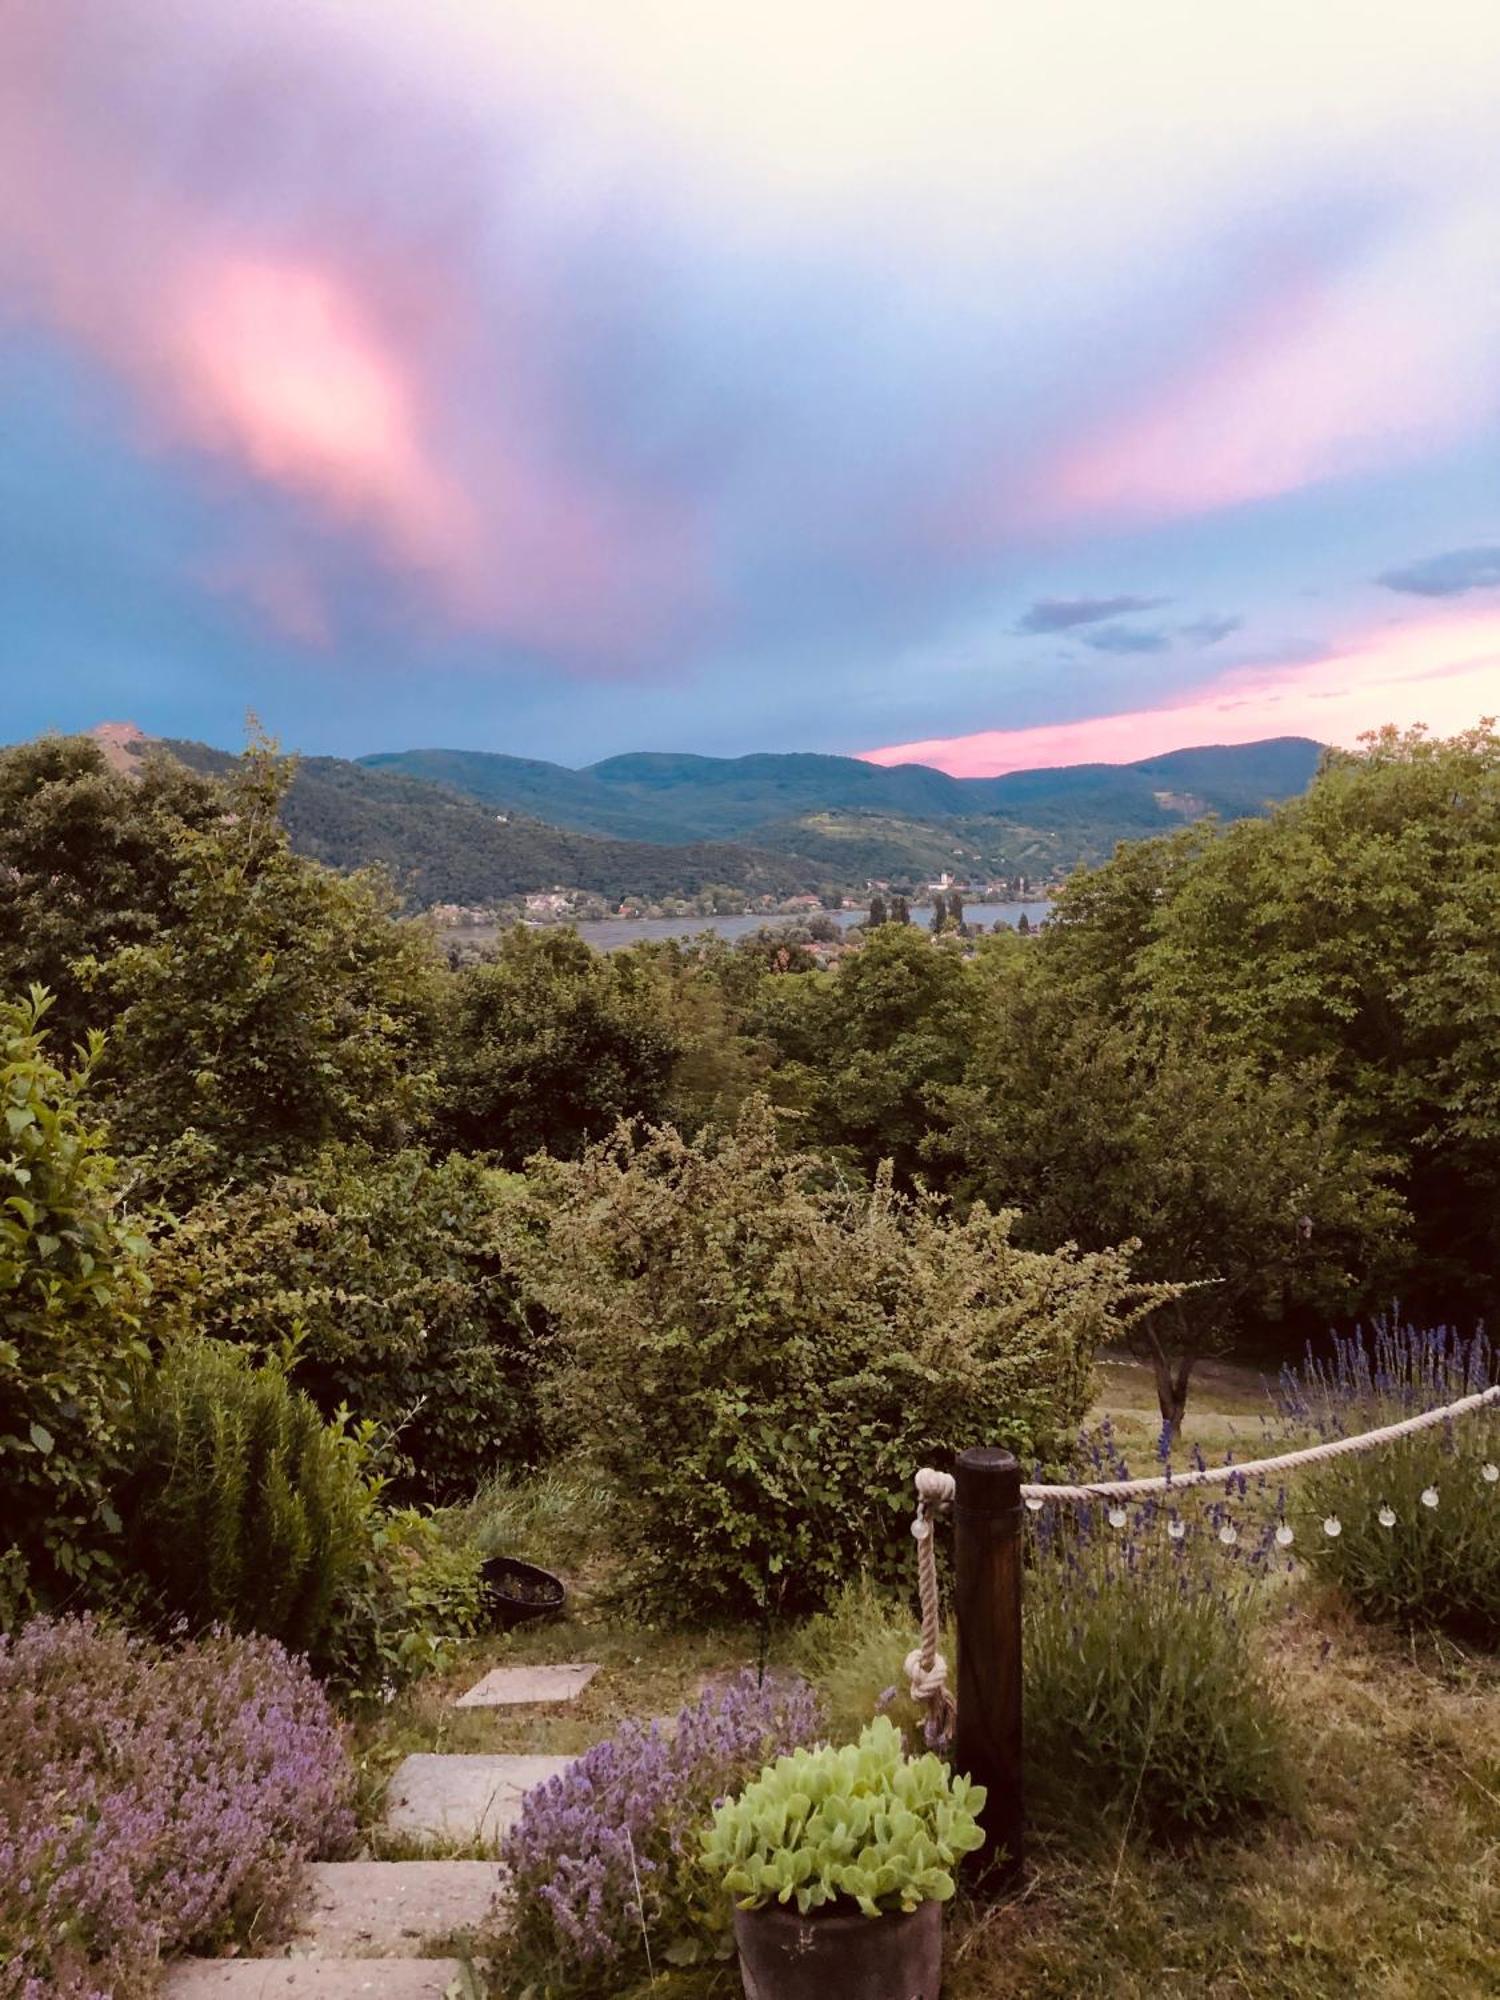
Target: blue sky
(997,386)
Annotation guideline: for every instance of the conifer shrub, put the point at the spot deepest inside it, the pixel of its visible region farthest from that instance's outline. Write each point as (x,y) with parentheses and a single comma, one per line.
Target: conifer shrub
(758,1361)
(242,1507)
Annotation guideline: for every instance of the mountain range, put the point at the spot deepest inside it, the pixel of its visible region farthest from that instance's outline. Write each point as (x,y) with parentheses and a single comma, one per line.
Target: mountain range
(480,828)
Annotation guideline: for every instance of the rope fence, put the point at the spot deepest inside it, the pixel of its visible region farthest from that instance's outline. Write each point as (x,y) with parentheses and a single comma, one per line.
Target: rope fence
(927,1670)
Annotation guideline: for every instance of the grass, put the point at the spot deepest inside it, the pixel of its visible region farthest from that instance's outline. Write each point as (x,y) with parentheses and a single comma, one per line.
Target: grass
(1381,1878)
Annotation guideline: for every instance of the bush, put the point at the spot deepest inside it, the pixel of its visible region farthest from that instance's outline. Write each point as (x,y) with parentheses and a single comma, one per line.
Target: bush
(154,1802)
(413,1594)
(1419,1520)
(604,1864)
(393,1273)
(242,1507)
(72,1288)
(1146,1692)
(758,1363)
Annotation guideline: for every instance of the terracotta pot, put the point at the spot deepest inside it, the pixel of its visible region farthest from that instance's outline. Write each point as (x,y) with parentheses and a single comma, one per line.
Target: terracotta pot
(786,1956)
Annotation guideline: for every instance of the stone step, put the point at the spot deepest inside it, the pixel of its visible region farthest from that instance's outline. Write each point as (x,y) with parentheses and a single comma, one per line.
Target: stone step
(470,1800)
(391,1909)
(312,1979)
(510,1687)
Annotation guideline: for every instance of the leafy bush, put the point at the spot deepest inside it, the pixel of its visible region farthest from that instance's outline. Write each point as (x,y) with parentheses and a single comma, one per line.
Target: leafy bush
(758,1362)
(604,1866)
(414,1592)
(393,1273)
(863,1823)
(1146,1691)
(1419,1520)
(242,1507)
(154,1802)
(72,1288)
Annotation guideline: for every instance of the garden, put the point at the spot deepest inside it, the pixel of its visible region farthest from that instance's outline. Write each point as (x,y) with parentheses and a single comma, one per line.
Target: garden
(405,1468)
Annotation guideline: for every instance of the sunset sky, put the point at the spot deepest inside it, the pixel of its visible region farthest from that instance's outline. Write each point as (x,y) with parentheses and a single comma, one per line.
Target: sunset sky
(988,384)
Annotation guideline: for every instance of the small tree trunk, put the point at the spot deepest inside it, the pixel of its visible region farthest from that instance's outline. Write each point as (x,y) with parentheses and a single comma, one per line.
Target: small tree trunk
(1172,1378)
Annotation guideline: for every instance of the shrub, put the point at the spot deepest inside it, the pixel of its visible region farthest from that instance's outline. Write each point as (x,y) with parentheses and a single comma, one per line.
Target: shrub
(154,1802)
(1419,1520)
(1146,1691)
(414,1592)
(758,1362)
(242,1507)
(604,1864)
(393,1273)
(72,1287)
(862,1823)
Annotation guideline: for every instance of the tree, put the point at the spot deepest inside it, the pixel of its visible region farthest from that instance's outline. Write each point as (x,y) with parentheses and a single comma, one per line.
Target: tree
(89,863)
(549,1044)
(900,910)
(72,1292)
(1023,924)
(278,1007)
(869,1049)
(878,911)
(956,910)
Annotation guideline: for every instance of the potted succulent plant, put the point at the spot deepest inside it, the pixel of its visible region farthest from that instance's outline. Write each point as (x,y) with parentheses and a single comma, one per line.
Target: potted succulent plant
(840,1861)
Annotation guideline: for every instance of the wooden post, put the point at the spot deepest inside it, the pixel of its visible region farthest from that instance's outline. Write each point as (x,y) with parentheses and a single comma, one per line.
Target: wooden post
(987,1741)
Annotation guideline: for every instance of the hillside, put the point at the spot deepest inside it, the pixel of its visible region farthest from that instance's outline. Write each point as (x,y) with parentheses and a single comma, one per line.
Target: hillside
(845,814)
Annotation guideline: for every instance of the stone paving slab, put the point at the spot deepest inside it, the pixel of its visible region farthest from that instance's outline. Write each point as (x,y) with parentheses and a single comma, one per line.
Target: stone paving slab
(310,1978)
(438,1797)
(388,1909)
(509,1687)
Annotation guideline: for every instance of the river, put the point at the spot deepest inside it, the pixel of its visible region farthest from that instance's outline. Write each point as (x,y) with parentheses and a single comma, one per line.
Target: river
(610,933)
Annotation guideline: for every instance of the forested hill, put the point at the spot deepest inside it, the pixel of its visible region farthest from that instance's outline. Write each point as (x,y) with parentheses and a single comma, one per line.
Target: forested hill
(801,803)
(473,828)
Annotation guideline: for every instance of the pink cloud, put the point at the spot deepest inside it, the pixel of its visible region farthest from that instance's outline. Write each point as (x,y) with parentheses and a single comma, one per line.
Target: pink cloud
(367,380)
(1444,672)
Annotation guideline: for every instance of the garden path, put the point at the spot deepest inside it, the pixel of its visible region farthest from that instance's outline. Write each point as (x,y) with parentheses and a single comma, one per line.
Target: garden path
(371,1924)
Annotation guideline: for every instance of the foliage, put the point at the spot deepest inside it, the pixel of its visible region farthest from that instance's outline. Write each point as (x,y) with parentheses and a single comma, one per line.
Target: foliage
(758,1361)
(863,1823)
(154,1802)
(72,1290)
(89,863)
(603,1864)
(868,1051)
(242,1507)
(548,1044)
(1353,929)
(854,1654)
(1419,1520)
(412,1595)
(1146,1689)
(392,1271)
(1245,1183)
(278,1008)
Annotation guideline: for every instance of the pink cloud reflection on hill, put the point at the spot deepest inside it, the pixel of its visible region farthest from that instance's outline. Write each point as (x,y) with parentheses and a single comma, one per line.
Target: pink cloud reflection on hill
(1443,672)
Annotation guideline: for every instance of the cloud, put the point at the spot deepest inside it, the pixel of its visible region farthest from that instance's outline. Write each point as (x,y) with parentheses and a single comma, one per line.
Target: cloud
(1443,673)
(1061,614)
(1128,639)
(1209,631)
(1448,575)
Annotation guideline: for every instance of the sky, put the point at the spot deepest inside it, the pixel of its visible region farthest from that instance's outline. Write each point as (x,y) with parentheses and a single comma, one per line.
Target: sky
(986,385)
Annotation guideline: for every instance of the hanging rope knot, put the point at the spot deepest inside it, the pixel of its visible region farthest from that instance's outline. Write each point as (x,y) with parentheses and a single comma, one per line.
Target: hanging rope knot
(926,1669)
(929,1678)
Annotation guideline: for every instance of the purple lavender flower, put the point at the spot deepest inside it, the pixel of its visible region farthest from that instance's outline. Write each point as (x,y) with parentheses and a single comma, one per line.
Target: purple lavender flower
(154,1802)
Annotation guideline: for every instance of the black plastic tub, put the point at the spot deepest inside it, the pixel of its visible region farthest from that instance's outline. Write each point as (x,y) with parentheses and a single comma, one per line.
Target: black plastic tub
(518,1591)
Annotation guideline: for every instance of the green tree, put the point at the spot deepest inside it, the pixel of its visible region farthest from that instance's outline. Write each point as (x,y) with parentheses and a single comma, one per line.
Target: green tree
(89,863)
(868,1050)
(1248,1187)
(878,911)
(72,1291)
(279,1007)
(548,1044)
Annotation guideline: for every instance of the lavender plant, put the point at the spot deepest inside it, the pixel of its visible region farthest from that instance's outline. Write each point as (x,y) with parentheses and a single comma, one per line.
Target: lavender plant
(1413,1532)
(1146,1686)
(605,1871)
(154,1802)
